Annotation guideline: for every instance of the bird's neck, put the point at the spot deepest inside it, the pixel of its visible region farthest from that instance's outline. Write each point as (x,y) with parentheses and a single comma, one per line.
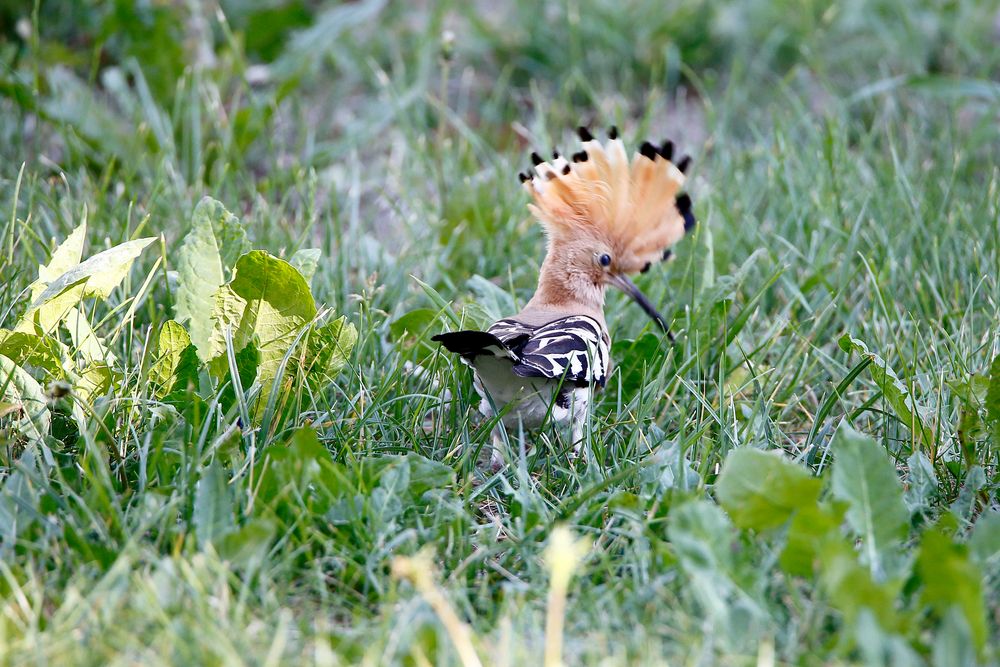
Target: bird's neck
(564,289)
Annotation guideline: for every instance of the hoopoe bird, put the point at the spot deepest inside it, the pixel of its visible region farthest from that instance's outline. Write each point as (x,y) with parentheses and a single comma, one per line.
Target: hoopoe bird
(605,218)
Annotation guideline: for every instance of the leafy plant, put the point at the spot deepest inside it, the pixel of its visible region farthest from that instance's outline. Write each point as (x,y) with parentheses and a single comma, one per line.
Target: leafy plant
(763,491)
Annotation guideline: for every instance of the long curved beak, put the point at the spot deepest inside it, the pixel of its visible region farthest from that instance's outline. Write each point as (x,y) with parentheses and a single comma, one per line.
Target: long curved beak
(622,282)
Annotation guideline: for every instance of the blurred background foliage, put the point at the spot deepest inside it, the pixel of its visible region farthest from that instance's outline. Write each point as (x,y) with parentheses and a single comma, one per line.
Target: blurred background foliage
(846,181)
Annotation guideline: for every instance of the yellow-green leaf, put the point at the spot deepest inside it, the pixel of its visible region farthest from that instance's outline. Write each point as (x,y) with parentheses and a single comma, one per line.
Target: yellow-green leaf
(211,248)
(17,387)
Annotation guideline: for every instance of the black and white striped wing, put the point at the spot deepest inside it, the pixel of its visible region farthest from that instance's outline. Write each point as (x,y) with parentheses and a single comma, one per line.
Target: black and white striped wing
(572,348)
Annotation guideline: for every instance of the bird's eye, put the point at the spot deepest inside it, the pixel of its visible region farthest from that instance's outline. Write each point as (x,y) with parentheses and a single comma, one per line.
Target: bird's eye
(605,259)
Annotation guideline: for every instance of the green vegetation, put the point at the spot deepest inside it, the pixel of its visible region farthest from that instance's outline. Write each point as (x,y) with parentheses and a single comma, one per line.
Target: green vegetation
(228,236)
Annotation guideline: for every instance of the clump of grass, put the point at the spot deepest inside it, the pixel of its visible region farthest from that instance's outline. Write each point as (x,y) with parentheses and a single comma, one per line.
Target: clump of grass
(808,476)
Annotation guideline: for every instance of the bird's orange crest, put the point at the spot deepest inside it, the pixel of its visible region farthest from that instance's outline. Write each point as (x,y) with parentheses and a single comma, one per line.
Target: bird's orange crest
(636,206)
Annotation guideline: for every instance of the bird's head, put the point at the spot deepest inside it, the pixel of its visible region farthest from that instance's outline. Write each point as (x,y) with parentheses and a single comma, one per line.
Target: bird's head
(607,217)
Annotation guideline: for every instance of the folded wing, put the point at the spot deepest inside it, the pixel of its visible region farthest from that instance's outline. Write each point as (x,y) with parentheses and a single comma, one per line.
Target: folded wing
(571,349)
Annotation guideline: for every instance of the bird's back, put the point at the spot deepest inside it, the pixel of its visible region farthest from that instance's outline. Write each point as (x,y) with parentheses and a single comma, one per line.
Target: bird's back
(547,369)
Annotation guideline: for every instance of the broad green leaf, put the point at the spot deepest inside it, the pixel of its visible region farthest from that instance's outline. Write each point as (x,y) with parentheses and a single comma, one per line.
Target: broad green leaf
(268,302)
(413,330)
(964,506)
(864,478)
(303,471)
(879,648)
(422,473)
(247,361)
(97,276)
(851,588)
(38,350)
(896,393)
(952,642)
(923,484)
(94,381)
(702,537)
(412,325)
(328,349)
(66,256)
(703,540)
(248,545)
(88,346)
(305,262)
(19,388)
(985,542)
(212,246)
(812,528)
(669,469)
(993,399)
(951,580)
(176,364)
(213,506)
(762,490)
(227,313)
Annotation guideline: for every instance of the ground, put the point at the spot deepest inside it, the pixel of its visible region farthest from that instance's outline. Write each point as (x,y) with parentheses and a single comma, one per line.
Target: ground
(808,475)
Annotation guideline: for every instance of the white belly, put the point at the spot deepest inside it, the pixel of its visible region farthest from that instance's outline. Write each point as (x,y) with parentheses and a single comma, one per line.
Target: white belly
(533,398)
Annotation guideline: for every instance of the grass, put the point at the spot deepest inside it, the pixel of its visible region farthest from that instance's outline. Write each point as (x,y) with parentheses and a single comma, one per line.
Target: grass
(846,181)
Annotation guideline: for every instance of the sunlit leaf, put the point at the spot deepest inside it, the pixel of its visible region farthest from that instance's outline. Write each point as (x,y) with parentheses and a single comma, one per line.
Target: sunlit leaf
(88,346)
(41,351)
(268,302)
(17,387)
(68,254)
(207,252)
(305,262)
(96,276)
(176,363)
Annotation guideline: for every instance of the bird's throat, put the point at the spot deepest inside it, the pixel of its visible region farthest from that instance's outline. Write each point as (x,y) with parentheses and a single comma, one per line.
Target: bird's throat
(565,288)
